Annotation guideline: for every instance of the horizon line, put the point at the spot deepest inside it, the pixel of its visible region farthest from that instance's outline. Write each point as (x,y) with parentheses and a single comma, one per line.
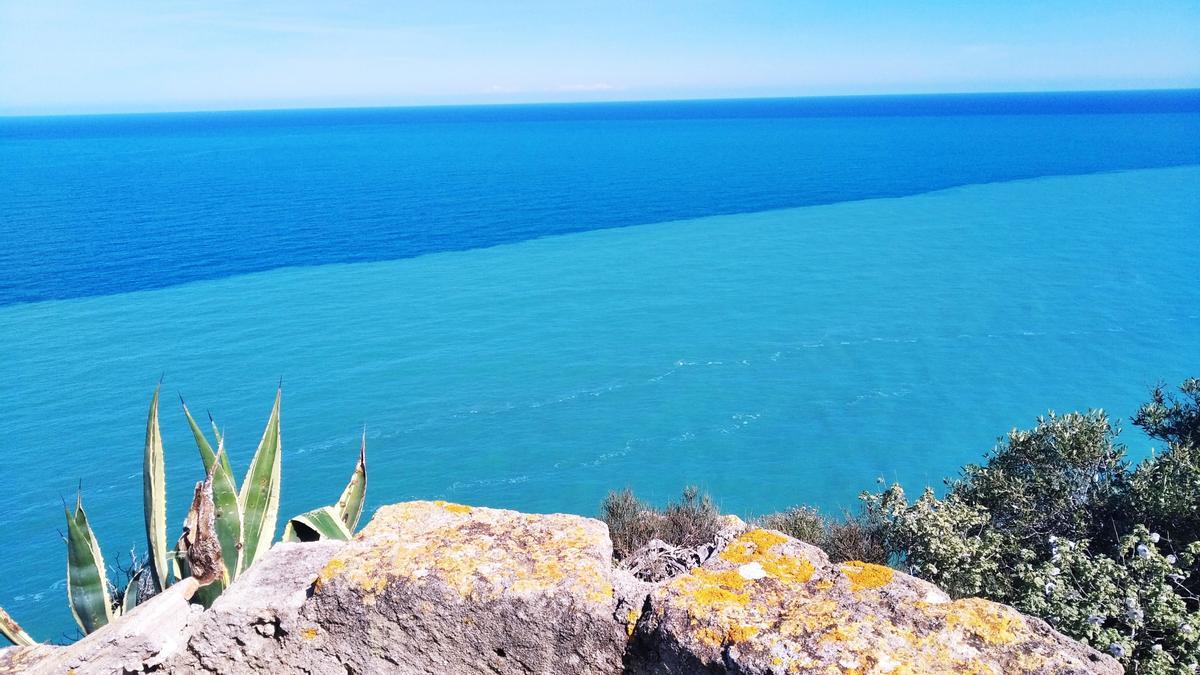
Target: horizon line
(515,104)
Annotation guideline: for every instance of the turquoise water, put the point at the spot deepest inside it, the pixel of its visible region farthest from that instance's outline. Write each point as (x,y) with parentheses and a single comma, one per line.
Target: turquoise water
(772,357)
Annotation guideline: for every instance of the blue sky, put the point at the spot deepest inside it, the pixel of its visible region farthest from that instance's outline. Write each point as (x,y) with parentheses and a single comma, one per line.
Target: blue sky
(130,55)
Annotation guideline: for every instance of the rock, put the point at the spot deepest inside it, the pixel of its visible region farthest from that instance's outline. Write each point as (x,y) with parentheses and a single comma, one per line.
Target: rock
(20,660)
(255,626)
(144,640)
(438,588)
(771,604)
(432,587)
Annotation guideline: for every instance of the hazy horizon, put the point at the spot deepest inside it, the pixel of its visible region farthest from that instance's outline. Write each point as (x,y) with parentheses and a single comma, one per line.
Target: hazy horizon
(614,101)
(91,56)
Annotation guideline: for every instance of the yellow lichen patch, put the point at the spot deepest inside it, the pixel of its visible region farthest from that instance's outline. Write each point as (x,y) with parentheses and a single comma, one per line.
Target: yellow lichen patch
(308,633)
(755,547)
(727,578)
(787,569)
(715,637)
(840,633)
(710,637)
(631,619)
(600,593)
(737,634)
(751,545)
(452,507)
(712,596)
(477,553)
(865,576)
(992,623)
(327,572)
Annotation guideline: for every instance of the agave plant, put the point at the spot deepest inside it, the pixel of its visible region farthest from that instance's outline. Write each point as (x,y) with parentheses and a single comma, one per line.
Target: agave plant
(15,634)
(244,521)
(336,521)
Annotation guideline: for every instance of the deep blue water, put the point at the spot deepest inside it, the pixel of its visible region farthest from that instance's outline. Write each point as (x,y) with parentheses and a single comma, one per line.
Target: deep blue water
(779,301)
(106,204)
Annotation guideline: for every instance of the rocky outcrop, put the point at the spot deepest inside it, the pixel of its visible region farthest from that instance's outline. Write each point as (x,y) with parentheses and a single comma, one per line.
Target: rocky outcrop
(770,604)
(432,587)
(438,588)
(147,639)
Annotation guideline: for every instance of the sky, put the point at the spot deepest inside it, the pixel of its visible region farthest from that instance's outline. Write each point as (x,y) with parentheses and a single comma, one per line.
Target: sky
(83,56)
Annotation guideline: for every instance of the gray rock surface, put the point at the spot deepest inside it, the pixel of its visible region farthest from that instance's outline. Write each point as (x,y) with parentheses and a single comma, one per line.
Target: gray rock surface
(145,640)
(769,604)
(255,626)
(431,587)
(438,588)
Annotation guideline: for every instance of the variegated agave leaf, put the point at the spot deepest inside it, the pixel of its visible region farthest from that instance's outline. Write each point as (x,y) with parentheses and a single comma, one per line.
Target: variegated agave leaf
(228,513)
(206,451)
(87,583)
(259,496)
(11,630)
(129,599)
(154,493)
(323,523)
(350,505)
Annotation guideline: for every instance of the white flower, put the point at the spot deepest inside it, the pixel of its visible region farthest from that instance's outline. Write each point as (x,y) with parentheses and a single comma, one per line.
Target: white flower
(1171,559)
(1054,571)
(1049,588)
(1116,650)
(1154,537)
(1186,628)
(1143,551)
(1053,539)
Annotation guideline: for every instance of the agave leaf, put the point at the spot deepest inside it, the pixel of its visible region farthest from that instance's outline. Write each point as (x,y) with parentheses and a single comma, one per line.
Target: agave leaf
(177,573)
(129,599)
(215,429)
(206,451)
(14,632)
(323,523)
(154,495)
(228,515)
(259,497)
(87,584)
(350,505)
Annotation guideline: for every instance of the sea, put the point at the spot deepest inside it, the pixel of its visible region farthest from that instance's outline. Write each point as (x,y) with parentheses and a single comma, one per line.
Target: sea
(784,301)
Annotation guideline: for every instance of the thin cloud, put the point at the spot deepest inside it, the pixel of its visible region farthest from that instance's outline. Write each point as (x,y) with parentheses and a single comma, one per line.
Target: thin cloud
(598,86)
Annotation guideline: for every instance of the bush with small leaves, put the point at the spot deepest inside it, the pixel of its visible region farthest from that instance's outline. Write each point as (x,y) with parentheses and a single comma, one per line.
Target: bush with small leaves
(691,521)
(799,522)
(1056,524)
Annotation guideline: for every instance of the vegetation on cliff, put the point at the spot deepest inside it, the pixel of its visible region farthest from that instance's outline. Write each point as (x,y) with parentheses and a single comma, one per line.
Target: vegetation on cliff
(1056,522)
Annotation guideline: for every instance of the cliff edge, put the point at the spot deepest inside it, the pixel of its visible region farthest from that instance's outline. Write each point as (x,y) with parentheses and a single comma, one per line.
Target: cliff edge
(440,588)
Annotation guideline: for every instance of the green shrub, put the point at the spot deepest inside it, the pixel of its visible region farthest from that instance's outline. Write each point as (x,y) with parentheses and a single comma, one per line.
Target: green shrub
(1165,489)
(692,521)
(1055,524)
(799,522)
(856,537)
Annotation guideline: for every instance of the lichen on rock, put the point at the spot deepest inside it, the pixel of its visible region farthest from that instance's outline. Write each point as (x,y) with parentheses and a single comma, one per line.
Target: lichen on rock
(495,587)
(436,587)
(772,604)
